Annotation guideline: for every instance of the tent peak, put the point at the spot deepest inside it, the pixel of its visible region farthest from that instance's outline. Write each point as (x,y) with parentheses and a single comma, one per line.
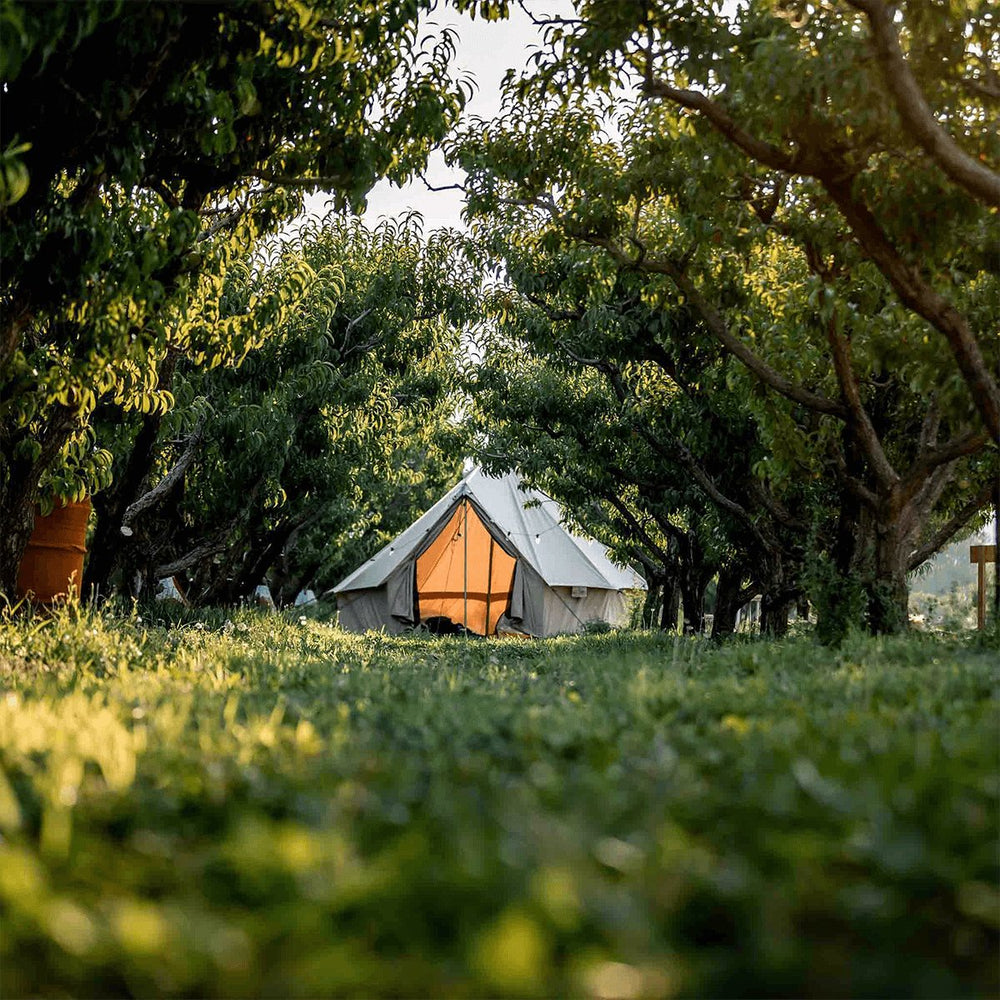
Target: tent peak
(528,519)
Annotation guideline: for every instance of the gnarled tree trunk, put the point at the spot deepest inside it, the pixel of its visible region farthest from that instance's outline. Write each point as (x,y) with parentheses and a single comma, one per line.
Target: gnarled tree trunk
(887,590)
(17,521)
(729,598)
(110,549)
(774,611)
(670,607)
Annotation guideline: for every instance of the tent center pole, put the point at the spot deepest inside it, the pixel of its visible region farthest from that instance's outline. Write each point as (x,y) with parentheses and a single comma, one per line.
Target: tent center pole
(489,585)
(465,567)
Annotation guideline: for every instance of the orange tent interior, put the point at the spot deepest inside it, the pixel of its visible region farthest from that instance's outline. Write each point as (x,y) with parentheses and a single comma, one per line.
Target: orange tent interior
(464,575)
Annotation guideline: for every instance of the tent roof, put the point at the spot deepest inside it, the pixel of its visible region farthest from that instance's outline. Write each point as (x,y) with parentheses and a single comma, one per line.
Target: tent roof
(560,558)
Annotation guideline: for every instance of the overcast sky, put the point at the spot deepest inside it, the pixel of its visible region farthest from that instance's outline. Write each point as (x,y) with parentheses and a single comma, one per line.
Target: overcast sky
(485,51)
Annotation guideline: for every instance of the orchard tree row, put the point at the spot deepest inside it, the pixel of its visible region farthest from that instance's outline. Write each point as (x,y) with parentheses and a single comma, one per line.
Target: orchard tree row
(323,443)
(731,290)
(149,156)
(747,287)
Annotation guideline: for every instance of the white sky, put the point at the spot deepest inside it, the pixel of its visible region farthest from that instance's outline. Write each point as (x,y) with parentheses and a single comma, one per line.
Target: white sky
(485,50)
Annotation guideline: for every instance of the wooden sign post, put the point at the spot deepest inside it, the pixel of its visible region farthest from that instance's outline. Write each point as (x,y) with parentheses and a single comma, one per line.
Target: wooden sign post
(981,555)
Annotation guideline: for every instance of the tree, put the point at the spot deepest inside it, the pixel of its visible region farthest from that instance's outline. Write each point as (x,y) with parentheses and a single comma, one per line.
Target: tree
(672,199)
(143,149)
(263,465)
(595,396)
(884,132)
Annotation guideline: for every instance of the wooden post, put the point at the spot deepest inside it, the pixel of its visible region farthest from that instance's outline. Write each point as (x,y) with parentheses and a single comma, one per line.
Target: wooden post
(981,555)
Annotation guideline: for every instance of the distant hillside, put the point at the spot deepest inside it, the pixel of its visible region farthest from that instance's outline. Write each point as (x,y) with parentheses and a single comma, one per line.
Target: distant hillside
(951,565)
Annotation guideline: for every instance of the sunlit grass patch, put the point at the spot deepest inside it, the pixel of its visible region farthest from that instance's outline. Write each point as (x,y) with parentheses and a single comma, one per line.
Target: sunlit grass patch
(243,804)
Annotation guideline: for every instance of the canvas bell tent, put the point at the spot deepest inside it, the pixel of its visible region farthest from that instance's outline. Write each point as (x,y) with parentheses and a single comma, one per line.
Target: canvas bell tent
(491,558)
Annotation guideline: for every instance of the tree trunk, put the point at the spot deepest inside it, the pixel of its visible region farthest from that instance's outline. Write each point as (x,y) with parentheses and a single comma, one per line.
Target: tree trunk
(837,592)
(774,612)
(110,549)
(650,606)
(297,584)
(728,595)
(670,606)
(888,591)
(996,542)
(693,587)
(262,552)
(287,584)
(17,521)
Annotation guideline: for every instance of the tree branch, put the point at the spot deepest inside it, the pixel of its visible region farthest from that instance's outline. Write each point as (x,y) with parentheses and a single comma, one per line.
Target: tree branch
(836,177)
(725,124)
(926,497)
(707,484)
(720,329)
(948,531)
(440,187)
(917,295)
(640,531)
(930,425)
(860,422)
(554,314)
(915,112)
(163,488)
(767,541)
(934,458)
(774,507)
(288,180)
(858,488)
(198,554)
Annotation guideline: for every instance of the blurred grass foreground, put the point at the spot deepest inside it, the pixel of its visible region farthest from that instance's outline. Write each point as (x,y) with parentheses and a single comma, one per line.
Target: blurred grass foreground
(259,807)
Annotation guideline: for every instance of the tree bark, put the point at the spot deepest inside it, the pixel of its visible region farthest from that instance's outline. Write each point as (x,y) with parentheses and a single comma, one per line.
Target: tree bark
(17,521)
(774,612)
(728,596)
(693,584)
(197,555)
(888,591)
(670,605)
(651,604)
(996,542)
(110,549)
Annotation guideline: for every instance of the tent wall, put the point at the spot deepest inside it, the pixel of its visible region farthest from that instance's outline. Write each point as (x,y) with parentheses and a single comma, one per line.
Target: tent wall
(364,610)
(527,601)
(536,609)
(565,613)
(399,593)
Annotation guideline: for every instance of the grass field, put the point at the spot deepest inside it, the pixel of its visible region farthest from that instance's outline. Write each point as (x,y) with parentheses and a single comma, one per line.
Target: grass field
(261,807)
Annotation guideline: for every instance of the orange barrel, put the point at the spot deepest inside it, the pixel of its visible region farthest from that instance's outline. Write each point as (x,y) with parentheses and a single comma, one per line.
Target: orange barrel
(52,566)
